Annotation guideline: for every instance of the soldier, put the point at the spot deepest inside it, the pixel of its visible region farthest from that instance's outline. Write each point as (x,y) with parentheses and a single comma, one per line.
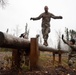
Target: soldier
(72,53)
(46,18)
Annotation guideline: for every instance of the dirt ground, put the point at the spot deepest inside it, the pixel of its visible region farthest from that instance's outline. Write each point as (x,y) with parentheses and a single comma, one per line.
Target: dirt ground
(45,67)
(59,70)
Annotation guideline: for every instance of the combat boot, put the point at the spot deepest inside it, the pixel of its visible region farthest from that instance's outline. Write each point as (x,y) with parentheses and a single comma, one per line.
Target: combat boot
(45,43)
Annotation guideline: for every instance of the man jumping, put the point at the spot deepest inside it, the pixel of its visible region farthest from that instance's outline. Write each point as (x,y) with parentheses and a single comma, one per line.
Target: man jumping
(46,18)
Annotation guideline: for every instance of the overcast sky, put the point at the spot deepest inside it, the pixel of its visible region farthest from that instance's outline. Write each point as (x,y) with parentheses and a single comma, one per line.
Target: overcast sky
(18,13)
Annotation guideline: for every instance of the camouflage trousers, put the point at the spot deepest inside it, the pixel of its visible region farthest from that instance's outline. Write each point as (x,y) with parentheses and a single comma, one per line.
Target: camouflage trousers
(45,32)
(72,62)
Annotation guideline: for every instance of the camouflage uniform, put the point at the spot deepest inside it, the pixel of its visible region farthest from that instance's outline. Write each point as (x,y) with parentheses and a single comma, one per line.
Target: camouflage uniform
(72,54)
(45,23)
(72,57)
(46,18)
(45,31)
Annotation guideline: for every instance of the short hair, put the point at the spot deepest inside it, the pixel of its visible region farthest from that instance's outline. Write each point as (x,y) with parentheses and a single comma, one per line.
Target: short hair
(73,41)
(46,7)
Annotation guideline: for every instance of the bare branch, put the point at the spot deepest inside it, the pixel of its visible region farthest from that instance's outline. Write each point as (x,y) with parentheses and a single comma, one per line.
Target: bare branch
(3,3)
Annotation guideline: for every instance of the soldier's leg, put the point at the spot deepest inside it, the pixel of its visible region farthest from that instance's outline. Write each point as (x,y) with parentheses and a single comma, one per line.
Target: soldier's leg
(45,40)
(45,36)
(72,63)
(47,31)
(43,33)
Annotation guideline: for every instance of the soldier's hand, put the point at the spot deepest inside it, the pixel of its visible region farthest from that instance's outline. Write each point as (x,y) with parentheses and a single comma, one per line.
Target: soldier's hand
(31,18)
(63,39)
(60,17)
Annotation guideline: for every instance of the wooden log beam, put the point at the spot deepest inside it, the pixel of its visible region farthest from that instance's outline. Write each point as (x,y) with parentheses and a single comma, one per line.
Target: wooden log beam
(49,49)
(10,41)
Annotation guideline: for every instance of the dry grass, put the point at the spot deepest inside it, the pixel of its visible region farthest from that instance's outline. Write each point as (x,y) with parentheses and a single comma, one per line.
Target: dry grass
(46,60)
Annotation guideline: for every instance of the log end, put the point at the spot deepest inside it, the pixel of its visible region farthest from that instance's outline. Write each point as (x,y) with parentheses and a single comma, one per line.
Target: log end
(1,37)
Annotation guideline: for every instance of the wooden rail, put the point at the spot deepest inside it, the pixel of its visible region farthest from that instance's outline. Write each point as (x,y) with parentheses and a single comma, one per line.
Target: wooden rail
(10,41)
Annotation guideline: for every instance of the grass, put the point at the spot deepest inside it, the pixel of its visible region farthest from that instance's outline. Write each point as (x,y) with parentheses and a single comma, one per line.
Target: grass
(5,50)
(46,60)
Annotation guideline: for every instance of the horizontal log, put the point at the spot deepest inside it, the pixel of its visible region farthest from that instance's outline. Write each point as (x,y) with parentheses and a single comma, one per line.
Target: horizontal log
(49,49)
(10,41)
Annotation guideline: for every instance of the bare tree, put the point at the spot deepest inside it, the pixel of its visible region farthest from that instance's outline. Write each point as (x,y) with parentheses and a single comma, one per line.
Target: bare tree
(7,30)
(58,40)
(3,3)
(67,33)
(16,31)
(72,34)
(27,31)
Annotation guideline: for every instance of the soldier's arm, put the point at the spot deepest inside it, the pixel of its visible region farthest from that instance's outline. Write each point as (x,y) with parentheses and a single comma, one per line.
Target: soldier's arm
(56,17)
(64,40)
(72,46)
(36,18)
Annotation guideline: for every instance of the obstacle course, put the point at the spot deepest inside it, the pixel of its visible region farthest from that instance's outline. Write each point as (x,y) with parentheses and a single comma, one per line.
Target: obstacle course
(32,48)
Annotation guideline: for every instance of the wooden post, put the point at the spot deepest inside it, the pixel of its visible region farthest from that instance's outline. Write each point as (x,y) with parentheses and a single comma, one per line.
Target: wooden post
(59,58)
(53,58)
(34,53)
(15,58)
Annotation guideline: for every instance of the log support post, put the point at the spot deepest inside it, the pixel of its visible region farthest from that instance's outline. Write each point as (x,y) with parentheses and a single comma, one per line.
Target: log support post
(15,58)
(34,53)
(59,57)
(53,58)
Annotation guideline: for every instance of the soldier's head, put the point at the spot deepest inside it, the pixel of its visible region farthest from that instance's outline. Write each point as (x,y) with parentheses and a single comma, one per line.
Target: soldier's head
(72,41)
(46,8)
